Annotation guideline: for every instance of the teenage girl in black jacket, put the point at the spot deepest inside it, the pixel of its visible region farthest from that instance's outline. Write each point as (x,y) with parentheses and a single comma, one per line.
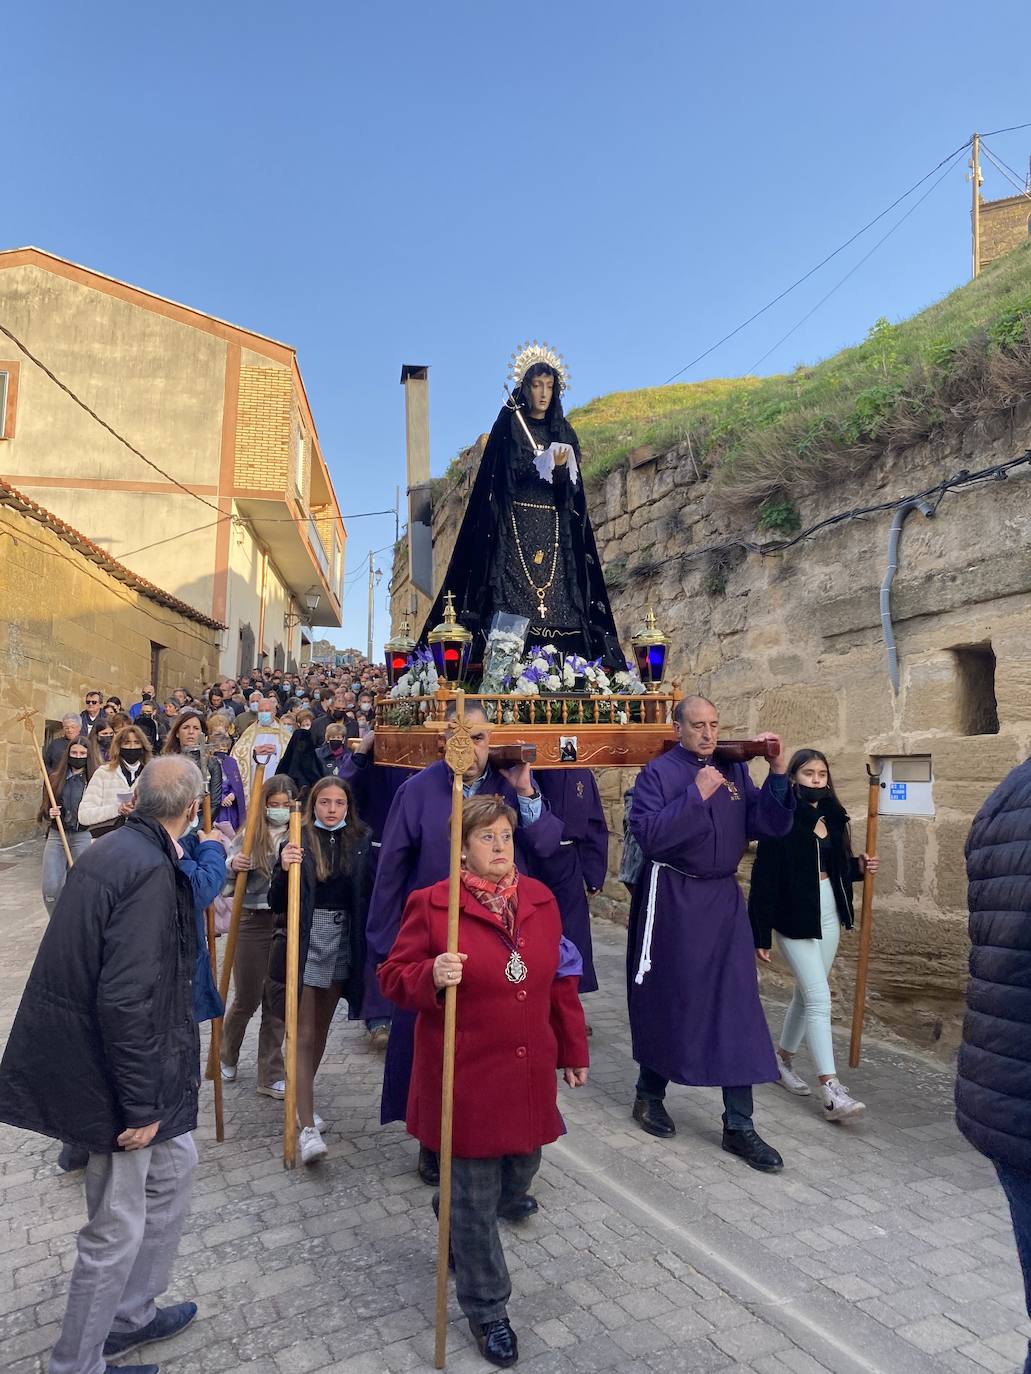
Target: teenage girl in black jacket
(801,891)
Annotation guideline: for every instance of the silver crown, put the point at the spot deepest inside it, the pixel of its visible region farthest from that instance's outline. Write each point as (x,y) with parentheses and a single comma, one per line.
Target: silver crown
(529,353)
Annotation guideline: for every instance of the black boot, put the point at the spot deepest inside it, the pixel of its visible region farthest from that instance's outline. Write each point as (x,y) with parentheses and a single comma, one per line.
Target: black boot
(429,1166)
(652,1116)
(750,1147)
(518,1208)
(497,1342)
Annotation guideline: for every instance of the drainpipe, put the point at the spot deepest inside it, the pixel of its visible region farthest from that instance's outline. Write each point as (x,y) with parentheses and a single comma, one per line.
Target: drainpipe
(927,509)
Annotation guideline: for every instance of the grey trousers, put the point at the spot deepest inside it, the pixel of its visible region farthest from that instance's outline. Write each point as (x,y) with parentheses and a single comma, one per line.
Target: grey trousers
(136,1202)
(250,985)
(478,1187)
(55,865)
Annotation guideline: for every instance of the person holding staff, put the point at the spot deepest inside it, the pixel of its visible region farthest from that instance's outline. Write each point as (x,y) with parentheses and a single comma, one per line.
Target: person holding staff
(68,782)
(335,887)
(695,1013)
(801,892)
(519,1019)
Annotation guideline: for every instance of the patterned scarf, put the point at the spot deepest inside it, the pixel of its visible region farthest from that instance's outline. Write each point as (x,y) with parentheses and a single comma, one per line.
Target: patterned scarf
(502,898)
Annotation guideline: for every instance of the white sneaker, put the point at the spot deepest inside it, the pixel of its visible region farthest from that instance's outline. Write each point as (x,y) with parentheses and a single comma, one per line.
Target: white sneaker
(320,1125)
(228,1072)
(311,1145)
(792,1081)
(837,1105)
(276,1090)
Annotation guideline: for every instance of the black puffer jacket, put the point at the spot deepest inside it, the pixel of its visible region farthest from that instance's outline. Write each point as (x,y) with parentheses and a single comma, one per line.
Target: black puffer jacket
(784,891)
(104,1038)
(993,1090)
(358,884)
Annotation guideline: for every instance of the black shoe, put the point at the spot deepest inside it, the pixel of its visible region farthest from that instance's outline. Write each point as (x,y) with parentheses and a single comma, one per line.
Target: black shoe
(750,1147)
(652,1116)
(167,1322)
(519,1209)
(497,1342)
(429,1166)
(72,1158)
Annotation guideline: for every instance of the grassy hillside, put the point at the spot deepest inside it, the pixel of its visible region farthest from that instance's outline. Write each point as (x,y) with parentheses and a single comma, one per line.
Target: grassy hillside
(771,439)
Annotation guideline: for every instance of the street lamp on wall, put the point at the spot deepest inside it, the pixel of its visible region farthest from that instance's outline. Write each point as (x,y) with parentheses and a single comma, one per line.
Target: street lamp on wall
(312,597)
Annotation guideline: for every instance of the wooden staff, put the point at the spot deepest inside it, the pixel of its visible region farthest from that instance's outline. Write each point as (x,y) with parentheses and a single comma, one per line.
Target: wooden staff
(865,921)
(30,725)
(216,1021)
(293,957)
(459,756)
(238,895)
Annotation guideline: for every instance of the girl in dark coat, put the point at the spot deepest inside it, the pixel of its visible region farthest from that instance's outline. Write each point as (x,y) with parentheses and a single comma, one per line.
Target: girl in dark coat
(336,881)
(801,891)
(68,782)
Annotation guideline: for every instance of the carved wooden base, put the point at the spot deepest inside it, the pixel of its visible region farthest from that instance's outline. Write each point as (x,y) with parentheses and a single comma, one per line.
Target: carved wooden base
(595,746)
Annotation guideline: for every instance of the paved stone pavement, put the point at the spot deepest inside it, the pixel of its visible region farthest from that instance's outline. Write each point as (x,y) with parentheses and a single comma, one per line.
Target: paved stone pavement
(883,1248)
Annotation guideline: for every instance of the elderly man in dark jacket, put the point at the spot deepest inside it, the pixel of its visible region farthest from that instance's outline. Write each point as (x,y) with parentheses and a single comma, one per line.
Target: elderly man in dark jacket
(993,1092)
(104,1052)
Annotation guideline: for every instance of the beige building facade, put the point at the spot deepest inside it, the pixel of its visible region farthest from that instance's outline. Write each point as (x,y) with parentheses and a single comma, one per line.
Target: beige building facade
(221,413)
(1004,225)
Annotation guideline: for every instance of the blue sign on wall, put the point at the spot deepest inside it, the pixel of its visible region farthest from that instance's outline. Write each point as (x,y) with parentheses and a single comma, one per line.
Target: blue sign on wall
(897,791)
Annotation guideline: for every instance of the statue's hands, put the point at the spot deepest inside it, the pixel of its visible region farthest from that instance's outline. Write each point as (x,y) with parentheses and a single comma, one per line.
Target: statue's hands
(561,456)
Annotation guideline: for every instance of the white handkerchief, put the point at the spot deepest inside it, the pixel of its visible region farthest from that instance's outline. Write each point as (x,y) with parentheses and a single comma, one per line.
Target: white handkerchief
(545,464)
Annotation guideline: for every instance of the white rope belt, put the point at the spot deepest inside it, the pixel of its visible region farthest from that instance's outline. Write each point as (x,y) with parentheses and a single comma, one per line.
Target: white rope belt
(645,962)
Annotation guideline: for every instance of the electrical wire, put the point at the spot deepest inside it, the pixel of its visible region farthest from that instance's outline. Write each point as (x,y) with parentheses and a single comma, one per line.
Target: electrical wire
(1006,170)
(852,270)
(822,263)
(1013,128)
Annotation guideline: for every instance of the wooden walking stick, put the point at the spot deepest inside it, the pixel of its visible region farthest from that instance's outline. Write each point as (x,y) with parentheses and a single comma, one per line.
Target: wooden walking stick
(216,1021)
(865,921)
(30,725)
(293,958)
(238,895)
(459,756)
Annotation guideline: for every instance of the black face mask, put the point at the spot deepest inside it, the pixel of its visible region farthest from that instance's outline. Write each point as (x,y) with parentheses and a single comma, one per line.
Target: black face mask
(76,765)
(132,755)
(812,794)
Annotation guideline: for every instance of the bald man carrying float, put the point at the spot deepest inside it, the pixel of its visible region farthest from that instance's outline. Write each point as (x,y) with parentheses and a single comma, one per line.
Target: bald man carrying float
(695,1013)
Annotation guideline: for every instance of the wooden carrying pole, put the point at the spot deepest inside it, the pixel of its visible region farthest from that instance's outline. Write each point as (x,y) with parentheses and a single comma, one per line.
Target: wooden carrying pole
(865,922)
(30,725)
(238,895)
(293,957)
(459,756)
(216,1021)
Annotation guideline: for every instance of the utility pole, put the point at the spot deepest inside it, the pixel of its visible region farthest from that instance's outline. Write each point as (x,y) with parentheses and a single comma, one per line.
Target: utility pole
(976,181)
(374,577)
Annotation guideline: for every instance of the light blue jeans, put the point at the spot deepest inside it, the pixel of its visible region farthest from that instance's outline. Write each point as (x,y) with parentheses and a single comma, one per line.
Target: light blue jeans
(809,1014)
(55,865)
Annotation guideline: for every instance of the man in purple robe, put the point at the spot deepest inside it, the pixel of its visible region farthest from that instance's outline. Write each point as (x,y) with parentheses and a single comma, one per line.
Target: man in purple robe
(415,853)
(581,864)
(695,1013)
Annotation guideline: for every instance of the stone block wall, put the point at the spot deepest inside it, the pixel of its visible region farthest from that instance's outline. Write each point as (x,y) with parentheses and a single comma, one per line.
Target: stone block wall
(67,625)
(1004,226)
(792,641)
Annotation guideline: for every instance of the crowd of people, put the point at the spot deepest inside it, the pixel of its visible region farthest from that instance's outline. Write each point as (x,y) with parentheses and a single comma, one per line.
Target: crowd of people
(122,976)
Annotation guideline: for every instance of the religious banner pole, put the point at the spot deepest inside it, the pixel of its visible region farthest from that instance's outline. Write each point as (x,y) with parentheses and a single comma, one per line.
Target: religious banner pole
(238,895)
(293,957)
(865,921)
(459,756)
(216,1021)
(30,725)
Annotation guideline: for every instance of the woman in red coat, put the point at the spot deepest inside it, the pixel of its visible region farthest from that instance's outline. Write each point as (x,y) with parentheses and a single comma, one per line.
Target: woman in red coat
(519,1020)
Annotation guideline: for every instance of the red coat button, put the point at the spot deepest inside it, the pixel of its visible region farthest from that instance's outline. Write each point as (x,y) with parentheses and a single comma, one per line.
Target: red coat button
(521,995)
(521,1052)
(521,941)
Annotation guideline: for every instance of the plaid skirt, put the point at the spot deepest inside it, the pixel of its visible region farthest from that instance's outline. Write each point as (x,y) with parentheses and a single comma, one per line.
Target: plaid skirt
(329,948)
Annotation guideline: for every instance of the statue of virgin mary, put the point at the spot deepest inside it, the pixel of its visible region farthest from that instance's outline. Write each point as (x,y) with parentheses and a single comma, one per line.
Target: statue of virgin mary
(526,545)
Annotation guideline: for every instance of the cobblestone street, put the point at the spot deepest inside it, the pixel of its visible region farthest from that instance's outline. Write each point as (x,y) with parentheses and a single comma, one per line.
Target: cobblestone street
(883,1248)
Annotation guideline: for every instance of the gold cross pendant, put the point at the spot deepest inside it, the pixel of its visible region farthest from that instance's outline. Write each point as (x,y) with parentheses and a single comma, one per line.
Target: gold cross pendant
(542,610)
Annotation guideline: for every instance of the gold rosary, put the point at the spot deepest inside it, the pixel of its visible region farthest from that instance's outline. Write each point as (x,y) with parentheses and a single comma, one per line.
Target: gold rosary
(539,592)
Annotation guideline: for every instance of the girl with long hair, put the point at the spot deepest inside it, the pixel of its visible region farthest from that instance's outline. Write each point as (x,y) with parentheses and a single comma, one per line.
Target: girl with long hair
(254,941)
(336,880)
(68,782)
(801,894)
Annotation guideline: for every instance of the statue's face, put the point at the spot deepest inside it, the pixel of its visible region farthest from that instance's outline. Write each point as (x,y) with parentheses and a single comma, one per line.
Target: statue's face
(541,388)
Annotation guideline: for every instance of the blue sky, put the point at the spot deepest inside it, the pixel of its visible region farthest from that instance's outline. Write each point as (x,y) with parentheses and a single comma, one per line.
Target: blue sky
(435,182)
